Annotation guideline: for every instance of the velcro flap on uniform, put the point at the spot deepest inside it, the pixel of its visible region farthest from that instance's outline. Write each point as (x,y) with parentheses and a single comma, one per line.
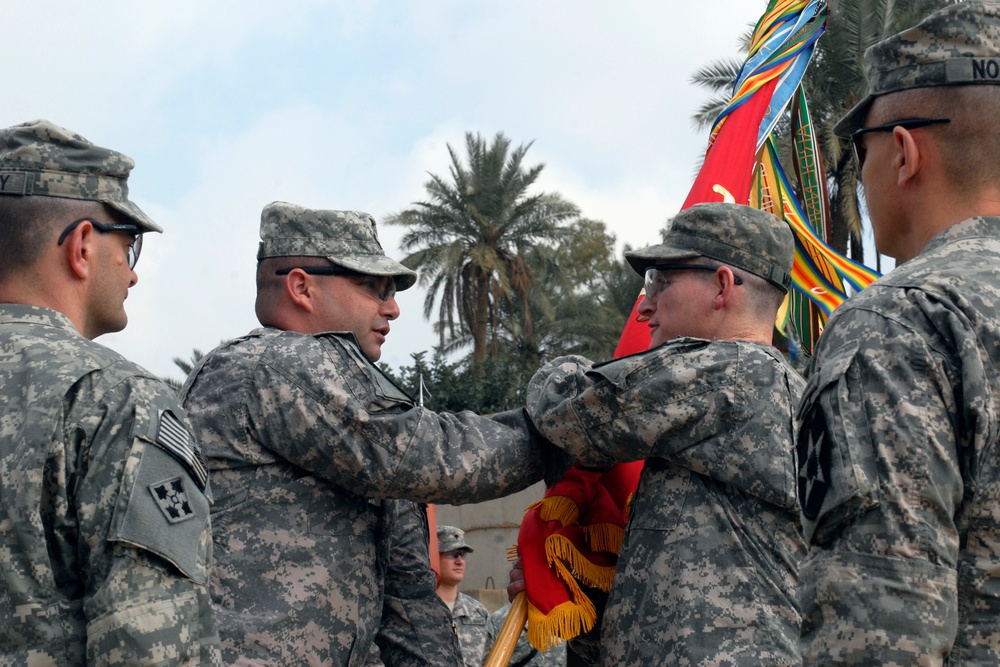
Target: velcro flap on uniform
(167,514)
(13,182)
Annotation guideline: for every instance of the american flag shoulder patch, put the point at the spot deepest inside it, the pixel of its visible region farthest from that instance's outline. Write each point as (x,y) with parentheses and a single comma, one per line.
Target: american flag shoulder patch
(175,439)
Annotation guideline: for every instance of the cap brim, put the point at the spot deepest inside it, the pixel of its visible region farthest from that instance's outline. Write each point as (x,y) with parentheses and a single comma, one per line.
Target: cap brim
(854,119)
(133,213)
(643,258)
(375,265)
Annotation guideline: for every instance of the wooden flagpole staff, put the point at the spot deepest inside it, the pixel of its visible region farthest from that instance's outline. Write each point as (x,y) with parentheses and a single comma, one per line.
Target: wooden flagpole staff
(507,638)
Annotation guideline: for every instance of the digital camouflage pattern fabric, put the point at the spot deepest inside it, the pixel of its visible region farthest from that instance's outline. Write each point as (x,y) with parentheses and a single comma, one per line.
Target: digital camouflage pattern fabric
(41,158)
(707,570)
(105,549)
(305,439)
(346,238)
(416,624)
(452,538)
(469,621)
(901,469)
(740,236)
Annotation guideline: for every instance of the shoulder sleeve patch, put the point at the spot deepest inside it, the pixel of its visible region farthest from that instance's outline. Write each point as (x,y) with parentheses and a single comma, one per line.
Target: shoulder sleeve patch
(172,499)
(837,479)
(814,457)
(174,438)
(164,513)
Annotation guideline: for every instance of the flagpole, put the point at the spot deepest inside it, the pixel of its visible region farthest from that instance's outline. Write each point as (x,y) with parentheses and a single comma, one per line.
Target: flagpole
(507,638)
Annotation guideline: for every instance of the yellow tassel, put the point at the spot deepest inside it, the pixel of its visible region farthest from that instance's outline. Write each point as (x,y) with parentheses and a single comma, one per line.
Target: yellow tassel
(605,537)
(566,621)
(559,508)
(561,553)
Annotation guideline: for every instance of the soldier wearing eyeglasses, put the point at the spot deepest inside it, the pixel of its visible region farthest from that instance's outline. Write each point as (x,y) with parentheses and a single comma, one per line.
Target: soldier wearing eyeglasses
(469,618)
(104,498)
(899,442)
(707,570)
(306,439)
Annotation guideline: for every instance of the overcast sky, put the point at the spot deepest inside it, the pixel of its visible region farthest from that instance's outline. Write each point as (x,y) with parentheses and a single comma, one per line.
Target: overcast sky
(227,106)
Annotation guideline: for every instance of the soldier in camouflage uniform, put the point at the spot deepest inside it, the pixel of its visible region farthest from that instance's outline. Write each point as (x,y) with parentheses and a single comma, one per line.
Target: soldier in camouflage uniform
(707,570)
(901,415)
(105,549)
(306,436)
(468,617)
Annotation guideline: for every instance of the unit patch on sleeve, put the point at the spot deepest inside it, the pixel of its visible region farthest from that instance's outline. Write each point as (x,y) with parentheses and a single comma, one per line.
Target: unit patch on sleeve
(172,499)
(814,456)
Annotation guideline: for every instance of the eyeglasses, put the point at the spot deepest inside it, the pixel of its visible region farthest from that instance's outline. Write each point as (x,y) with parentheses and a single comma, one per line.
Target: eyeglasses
(382,288)
(134,248)
(656,282)
(454,555)
(905,123)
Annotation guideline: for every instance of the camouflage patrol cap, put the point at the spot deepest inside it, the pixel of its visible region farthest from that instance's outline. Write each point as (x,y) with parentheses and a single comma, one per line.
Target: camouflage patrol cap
(346,238)
(40,158)
(957,45)
(451,538)
(740,236)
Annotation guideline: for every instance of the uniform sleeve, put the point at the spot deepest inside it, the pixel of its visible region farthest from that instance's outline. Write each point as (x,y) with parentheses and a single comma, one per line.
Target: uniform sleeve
(334,414)
(415,628)
(145,543)
(879,486)
(653,404)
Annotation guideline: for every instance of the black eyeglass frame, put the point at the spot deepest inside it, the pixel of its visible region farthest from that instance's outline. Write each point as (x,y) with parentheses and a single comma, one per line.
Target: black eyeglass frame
(134,248)
(335,270)
(906,123)
(688,267)
(321,271)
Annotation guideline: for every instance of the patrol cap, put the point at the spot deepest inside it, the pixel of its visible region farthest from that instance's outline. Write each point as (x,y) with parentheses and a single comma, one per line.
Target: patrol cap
(346,238)
(740,236)
(451,538)
(956,45)
(40,158)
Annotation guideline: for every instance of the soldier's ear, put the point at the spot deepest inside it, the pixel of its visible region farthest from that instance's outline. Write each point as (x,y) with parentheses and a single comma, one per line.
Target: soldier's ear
(78,250)
(300,289)
(724,281)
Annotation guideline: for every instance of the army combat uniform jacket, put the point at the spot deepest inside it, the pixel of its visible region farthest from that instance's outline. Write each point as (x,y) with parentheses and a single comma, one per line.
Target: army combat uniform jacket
(304,437)
(707,570)
(901,475)
(469,619)
(105,549)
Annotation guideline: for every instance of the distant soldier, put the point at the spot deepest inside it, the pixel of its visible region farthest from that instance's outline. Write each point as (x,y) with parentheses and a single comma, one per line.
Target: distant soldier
(104,531)
(306,437)
(468,615)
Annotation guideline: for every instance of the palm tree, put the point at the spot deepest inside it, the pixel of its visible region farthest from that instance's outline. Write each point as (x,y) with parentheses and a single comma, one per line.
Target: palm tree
(470,240)
(580,301)
(834,82)
(185,366)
